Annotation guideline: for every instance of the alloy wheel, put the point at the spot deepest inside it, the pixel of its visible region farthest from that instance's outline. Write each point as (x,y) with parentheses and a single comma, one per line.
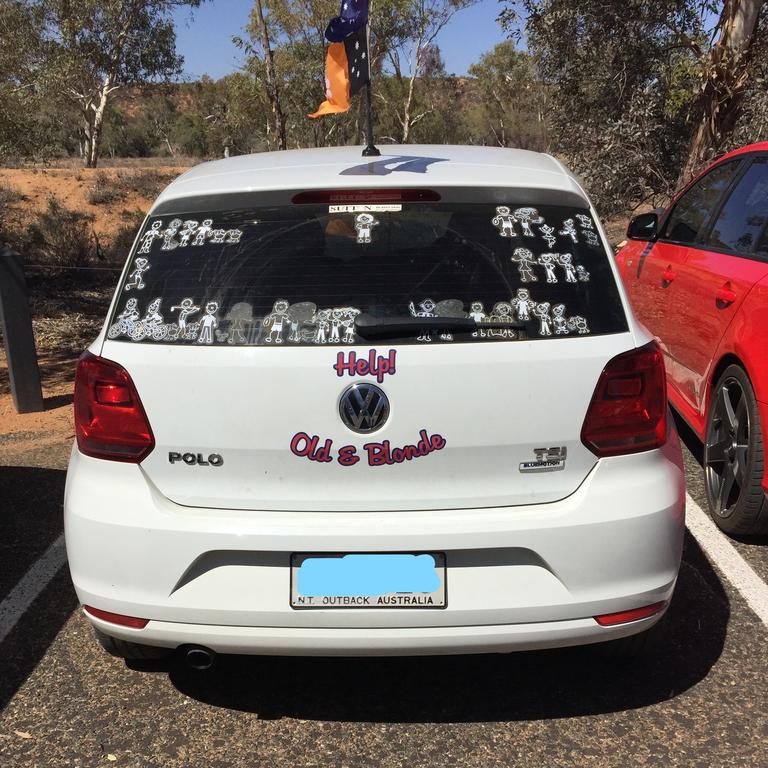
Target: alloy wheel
(726,453)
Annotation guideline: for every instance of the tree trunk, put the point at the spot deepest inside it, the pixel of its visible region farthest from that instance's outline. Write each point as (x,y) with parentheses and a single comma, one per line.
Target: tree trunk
(273,90)
(725,78)
(409,102)
(97,125)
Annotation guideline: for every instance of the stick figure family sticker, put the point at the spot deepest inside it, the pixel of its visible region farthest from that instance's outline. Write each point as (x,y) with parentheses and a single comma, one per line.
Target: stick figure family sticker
(185,234)
(507,221)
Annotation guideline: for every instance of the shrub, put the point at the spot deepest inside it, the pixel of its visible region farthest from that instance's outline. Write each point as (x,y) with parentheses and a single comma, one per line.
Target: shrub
(8,217)
(122,241)
(146,184)
(104,190)
(61,237)
(9,195)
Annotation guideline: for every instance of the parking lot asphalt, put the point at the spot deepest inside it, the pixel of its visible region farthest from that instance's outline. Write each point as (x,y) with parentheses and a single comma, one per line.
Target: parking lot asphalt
(699,701)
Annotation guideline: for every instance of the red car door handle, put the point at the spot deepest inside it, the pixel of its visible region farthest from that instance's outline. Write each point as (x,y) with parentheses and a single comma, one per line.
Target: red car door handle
(725,295)
(668,275)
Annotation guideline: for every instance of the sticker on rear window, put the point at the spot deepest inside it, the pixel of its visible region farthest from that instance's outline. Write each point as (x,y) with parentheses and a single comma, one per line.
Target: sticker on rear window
(523,304)
(549,262)
(548,233)
(367,208)
(527,216)
(525,261)
(136,278)
(209,323)
(569,230)
(285,276)
(186,309)
(182,234)
(149,237)
(364,224)
(505,221)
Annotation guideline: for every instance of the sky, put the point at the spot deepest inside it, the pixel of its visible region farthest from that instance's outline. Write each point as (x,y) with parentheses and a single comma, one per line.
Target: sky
(204,37)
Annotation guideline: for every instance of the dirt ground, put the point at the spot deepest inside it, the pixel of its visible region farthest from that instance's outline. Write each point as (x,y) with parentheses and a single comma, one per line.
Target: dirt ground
(71,187)
(23,433)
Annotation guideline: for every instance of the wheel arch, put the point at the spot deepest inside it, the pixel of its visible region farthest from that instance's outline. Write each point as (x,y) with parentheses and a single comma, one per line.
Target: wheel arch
(725,361)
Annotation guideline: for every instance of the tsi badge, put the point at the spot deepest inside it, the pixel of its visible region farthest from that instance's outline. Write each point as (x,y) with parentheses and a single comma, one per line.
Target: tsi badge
(547,460)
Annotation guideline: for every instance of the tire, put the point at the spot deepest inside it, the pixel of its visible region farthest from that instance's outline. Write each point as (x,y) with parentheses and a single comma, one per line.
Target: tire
(122,649)
(734,457)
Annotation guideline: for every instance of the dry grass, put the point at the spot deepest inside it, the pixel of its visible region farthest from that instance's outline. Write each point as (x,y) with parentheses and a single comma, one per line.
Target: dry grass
(109,188)
(75,164)
(9,195)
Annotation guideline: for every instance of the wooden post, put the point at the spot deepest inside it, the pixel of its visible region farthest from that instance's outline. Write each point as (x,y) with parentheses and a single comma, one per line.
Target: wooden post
(16,324)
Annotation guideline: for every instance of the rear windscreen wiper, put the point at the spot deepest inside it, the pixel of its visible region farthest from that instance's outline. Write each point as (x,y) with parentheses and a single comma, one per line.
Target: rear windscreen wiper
(370,327)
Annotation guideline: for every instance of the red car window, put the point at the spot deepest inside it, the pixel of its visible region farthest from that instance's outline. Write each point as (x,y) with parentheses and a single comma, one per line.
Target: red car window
(745,214)
(694,208)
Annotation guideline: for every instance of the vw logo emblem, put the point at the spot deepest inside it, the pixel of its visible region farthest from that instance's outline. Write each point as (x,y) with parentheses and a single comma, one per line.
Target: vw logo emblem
(364,408)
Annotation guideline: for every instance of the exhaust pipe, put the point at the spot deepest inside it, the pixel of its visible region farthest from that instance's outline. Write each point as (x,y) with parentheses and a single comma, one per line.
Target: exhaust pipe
(200,659)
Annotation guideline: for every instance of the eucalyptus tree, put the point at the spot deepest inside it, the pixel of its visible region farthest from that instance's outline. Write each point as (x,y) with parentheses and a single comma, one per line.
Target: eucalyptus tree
(95,47)
(643,94)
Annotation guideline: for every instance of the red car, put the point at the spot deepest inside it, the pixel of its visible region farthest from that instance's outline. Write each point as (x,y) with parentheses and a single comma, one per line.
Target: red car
(697,274)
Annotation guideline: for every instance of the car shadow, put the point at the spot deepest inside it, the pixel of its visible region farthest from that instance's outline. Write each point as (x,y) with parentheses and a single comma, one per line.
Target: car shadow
(487,688)
(30,521)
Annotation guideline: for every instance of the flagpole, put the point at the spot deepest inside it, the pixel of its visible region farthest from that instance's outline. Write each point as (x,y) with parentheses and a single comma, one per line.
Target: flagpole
(370,150)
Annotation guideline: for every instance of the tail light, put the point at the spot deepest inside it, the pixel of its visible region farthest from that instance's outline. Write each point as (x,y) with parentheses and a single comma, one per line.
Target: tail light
(628,413)
(360,196)
(116,618)
(625,617)
(110,421)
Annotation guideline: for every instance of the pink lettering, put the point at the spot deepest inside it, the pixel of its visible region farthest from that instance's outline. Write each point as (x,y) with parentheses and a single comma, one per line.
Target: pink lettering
(376,365)
(348,456)
(380,454)
(308,447)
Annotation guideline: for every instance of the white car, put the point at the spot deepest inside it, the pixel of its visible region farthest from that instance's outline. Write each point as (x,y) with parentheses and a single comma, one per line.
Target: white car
(347,406)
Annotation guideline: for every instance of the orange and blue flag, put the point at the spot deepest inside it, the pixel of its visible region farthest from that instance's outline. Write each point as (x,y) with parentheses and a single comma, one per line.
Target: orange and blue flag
(347,64)
(352,17)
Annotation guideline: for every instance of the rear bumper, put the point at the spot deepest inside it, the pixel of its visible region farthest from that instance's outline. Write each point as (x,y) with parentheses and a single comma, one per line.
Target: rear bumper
(518,578)
(414,641)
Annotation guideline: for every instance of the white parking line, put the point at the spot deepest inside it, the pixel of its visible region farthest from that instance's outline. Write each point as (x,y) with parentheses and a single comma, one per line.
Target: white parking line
(35,580)
(726,558)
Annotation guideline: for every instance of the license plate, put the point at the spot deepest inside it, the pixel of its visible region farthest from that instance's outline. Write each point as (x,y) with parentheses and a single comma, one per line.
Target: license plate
(368,581)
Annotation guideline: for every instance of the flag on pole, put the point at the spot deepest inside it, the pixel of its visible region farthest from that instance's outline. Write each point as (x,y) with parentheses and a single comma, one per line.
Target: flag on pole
(352,17)
(347,63)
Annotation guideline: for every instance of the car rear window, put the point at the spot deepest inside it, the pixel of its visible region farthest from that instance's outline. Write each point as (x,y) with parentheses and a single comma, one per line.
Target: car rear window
(301,274)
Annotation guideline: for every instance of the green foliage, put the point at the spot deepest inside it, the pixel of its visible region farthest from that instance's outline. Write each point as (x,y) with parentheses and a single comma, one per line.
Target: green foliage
(619,89)
(94,47)
(511,100)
